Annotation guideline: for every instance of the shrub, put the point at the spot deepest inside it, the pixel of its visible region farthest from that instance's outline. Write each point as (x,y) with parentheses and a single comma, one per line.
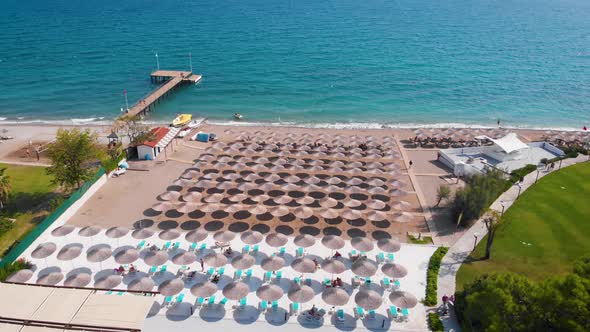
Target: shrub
(432,276)
(434,322)
(517,174)
(5,225)
(55,202)
(111,164)
(9,269)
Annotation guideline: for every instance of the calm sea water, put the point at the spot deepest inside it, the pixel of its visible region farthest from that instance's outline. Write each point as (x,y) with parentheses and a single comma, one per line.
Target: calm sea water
(526,62)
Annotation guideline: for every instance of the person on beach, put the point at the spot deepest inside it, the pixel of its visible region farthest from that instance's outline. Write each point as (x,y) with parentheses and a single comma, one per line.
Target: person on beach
(498,122)
(410,163)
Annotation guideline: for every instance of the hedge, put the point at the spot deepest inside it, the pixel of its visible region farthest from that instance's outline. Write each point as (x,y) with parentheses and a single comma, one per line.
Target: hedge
(434,322)
(519,173)
(432,276)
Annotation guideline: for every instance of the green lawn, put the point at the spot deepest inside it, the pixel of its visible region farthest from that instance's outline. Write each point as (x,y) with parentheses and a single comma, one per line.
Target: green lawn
(553,221)
(31,187)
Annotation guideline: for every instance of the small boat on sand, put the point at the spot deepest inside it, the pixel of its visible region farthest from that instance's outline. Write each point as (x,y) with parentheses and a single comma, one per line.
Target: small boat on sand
(181,120)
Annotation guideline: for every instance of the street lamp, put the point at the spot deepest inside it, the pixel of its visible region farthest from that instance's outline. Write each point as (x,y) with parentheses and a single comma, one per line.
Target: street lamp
(475,235)
(539,167)
(503,207)
(519,190)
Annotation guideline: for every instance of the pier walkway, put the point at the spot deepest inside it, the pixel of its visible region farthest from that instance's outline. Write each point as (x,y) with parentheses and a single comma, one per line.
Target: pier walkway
(172,80)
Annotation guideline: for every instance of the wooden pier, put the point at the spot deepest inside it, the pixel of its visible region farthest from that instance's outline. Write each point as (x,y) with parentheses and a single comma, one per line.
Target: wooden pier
(171,80)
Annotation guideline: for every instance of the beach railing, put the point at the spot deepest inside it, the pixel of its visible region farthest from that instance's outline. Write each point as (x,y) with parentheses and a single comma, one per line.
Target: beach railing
(17,250)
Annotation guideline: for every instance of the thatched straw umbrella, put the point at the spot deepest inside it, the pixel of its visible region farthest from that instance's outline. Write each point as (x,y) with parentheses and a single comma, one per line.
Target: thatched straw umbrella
(215,260)
(187,207)
(44,250)
(301,294)
(403,299)
(127,256)
(362,244)
(163,206)
(204,289)
(333,266)
(335,296)
(197,235)
(304,240)
(109,282)
(351,214)
(401,205)
(99,253)
(69,252)
(351,203)
(237,198)
(375,204)
(62,230)
(89,231)
(243,261)
(155,258)
(236,290)
(364,267)
(184,258)
(143,284)
(368,299)
(52,278)
(251,237)
(279,211)
(376,216)
(269,292)
(394,270)
(171,287)
(116,232)
(210,208)
(272,263)
(193,196)
(224,236)
(169,234)
(389,245)
(303,265)
(81,279)
(333,242)
(276,240)
(303,212)
(21,276)
(258,210)
(170,196)
(142,233)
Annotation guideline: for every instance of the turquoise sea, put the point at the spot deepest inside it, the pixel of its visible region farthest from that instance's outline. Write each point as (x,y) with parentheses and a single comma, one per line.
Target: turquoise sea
(365,63)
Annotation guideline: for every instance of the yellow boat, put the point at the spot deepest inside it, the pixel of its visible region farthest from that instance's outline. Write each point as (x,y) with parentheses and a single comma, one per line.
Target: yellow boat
(182,119)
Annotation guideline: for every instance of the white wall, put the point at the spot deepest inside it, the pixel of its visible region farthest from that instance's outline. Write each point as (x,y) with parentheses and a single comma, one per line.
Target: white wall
(142,150)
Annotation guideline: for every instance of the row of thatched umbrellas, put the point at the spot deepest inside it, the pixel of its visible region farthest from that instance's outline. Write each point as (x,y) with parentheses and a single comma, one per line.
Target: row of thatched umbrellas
(302,212)
(457,134)
(339,140)
(568,136)
(292,148)
(316,165)
(336,153)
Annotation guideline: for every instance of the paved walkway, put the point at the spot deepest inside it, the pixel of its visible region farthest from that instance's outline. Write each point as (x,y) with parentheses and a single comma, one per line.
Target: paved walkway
(464,245)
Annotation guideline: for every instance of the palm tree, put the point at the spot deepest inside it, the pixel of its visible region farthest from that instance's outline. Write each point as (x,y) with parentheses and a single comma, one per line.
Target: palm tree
(4,187)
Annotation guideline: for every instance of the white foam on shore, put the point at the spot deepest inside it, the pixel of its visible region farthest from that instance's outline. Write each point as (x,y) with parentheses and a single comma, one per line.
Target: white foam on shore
(102,121)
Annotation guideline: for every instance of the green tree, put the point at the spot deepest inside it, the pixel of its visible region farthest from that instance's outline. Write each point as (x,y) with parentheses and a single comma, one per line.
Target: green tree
(498,302)
(479,193)
(5,187)
(132,127)
(582,267)
(563,304)
(491,220)
(73,156)
(442,193)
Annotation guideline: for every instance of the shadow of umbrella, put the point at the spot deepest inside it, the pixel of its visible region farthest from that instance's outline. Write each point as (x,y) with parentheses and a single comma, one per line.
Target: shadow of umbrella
(277,317)
(212,313)
(179,312)
(347,323)
(309,322)
(246,315)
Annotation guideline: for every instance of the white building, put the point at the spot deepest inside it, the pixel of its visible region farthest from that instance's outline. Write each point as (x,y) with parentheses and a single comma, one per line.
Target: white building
(507,153)
(150,150)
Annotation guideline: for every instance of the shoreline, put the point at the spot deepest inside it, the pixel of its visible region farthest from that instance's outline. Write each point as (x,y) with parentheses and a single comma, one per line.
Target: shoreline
(309,125)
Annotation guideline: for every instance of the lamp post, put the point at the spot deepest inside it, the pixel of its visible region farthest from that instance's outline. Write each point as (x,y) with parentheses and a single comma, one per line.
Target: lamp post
(475,235)
(539,167)
(519,190)
(503,207)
